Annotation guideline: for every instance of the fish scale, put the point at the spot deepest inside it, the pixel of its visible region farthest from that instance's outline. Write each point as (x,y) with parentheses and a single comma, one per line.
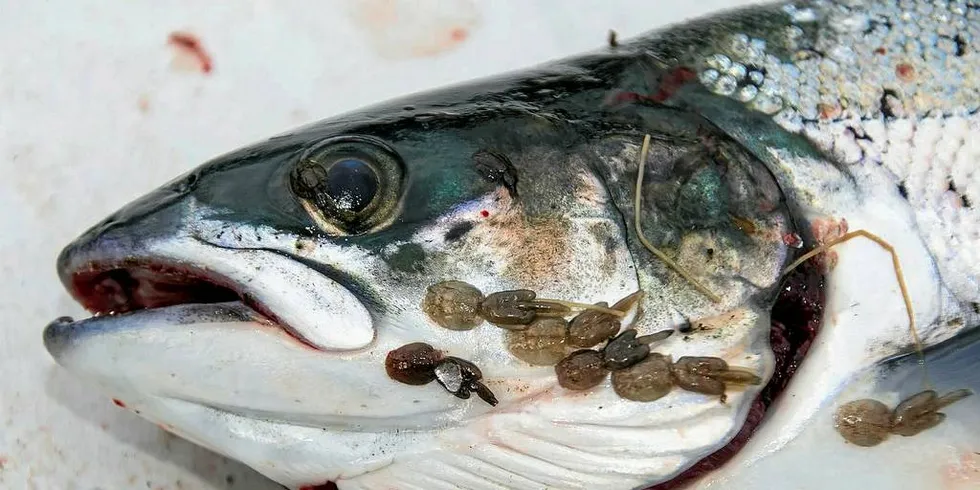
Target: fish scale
(938,105)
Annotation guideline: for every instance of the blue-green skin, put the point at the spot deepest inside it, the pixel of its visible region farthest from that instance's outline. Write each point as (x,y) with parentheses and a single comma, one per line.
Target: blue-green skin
(570,107)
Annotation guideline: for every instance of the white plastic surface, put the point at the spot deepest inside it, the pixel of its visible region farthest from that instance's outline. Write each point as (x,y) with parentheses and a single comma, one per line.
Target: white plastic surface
(97,108)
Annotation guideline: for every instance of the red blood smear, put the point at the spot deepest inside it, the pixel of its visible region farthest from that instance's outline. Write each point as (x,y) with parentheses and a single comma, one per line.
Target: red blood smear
(458,34)
(672,82)
(795,320)
(669,85)
(624,97)
(485,213)
(905,72)
(325,486)
(192,45)
(119,403)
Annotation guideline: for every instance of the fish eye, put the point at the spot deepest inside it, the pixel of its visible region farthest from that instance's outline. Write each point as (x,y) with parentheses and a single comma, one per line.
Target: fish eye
(349,186)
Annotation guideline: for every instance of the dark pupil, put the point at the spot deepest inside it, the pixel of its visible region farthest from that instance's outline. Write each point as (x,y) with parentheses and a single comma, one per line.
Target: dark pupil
(351,184)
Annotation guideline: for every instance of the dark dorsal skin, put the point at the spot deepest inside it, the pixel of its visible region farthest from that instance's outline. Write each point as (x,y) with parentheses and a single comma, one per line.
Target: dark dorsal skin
(546,126)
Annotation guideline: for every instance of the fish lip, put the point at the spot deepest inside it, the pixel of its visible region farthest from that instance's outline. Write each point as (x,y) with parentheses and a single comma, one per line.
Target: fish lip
(201,286)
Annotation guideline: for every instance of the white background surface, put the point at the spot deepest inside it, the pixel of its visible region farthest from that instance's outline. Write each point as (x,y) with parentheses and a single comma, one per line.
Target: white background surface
(96,108)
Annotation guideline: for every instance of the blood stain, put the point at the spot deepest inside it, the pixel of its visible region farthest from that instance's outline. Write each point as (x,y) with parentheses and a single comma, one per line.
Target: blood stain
(415,28)
(118,403)
(792,240)
(190,47)
(905,72)
(829,111)
(458,34)
(143,103)
(825,230)
(325,486)
(485,213)
(672,82)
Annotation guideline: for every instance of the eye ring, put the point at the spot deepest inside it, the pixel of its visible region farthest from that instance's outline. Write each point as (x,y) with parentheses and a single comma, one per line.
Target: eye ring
(349,185)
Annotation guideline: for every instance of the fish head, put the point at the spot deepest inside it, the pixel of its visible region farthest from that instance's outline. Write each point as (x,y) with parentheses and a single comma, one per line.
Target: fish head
(249,305)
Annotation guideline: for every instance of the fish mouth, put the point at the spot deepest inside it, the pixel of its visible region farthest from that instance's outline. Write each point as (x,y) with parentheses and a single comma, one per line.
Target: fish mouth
(114,288)
(164,330)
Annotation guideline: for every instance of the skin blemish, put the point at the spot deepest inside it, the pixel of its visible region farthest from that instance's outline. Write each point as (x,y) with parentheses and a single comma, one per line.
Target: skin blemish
(409,258)
(458,231)
(669,85)
(792,240)
(745,225)
(189,48)
(626,97)
(964,473)
(829,111)
(890,102)
(905,72)
(672,82)
(824,231)
(322,486)
(118,403)
(458,35)
(537,248)
(304,246)
(143,104)
(602,233)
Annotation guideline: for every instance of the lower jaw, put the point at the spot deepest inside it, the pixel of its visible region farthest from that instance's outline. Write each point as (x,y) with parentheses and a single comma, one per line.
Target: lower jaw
(796,317)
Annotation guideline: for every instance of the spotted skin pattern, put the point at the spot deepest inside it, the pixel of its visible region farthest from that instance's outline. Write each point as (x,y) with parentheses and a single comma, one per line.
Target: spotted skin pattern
(912,111)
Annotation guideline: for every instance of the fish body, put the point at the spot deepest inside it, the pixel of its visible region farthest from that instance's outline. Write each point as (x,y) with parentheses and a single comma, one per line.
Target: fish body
(250,305)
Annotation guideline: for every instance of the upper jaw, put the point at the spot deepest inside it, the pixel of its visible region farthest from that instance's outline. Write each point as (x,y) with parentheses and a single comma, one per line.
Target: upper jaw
(157,261)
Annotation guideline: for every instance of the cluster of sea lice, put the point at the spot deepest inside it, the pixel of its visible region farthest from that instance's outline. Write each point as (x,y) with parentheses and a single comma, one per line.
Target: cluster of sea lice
(457,305)
(539,334)
(419,363)
(869,422)
(644,376)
